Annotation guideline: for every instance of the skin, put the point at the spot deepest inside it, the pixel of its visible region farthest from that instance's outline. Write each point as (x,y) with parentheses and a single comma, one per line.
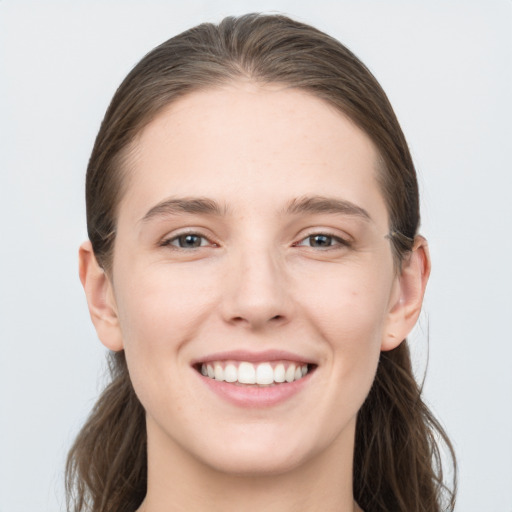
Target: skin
(257,282)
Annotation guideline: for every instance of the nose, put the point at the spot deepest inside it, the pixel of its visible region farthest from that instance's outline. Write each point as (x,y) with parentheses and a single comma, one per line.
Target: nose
(256,293)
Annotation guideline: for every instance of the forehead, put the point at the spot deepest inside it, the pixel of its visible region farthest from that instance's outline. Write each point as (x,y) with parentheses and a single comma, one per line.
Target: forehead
(243,141)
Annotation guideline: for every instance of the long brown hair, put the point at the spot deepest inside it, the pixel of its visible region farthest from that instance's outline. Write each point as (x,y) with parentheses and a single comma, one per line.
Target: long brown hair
(397,459)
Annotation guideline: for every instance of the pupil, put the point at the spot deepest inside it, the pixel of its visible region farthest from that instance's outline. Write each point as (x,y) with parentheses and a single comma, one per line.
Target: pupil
(190,241)
(320,241)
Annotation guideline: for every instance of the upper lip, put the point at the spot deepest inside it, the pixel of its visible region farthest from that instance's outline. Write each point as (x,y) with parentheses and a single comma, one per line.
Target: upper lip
(254,357)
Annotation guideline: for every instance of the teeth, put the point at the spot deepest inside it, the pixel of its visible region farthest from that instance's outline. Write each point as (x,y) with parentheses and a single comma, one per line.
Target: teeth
(263,374)
(246,373)
(230,373)
(218,371)
(279,373)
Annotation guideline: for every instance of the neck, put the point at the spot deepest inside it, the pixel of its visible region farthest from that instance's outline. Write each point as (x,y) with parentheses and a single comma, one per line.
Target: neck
(178,482)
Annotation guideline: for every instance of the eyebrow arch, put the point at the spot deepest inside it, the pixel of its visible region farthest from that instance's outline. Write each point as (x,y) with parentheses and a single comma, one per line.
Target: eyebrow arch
(174,206)
(304,204)
(321,204)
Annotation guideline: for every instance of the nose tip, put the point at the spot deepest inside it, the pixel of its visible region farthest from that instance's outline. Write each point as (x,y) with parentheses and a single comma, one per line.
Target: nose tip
(256,296)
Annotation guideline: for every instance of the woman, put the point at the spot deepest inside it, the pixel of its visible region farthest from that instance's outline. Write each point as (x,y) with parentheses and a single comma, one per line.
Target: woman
(254,265)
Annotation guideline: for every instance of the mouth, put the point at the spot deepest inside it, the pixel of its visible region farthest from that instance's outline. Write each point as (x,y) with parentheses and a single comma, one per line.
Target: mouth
(260,374)
(249,379)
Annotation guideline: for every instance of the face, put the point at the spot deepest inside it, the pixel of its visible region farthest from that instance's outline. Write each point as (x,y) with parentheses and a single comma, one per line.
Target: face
(252,278)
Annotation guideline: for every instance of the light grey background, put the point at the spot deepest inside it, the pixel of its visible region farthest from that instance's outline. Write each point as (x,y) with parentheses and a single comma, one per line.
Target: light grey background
(446,67)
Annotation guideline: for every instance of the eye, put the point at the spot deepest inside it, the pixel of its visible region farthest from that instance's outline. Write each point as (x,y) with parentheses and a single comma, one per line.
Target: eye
(322,241)
(187,241)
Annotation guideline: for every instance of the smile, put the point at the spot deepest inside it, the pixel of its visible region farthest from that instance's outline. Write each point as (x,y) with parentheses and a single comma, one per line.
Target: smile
(259,374)
(249,379)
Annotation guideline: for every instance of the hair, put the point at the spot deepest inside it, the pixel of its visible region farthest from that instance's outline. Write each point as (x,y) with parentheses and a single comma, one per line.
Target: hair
(398,442)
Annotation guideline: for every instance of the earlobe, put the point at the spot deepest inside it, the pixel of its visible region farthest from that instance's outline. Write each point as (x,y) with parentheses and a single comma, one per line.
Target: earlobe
(100,298)
(408,297)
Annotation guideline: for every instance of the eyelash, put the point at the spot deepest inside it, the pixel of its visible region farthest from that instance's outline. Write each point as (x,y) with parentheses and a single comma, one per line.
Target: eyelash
(168,242)
(335,241)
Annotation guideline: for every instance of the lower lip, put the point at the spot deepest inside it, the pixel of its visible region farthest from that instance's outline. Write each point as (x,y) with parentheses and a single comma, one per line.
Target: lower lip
(255,396)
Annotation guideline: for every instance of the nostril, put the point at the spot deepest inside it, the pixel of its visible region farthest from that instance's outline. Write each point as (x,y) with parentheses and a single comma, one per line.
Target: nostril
(241,319)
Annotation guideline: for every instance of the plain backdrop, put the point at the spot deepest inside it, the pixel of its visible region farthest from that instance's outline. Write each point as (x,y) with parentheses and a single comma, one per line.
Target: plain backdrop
(446,66)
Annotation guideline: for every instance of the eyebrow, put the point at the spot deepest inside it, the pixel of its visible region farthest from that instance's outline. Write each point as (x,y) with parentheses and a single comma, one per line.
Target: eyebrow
(304,204)
(322,204)
(192,205)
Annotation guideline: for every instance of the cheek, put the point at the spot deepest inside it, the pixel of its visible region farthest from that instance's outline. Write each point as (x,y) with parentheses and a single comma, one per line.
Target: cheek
(350,304)
(160,310)
(349,309)
(161,307)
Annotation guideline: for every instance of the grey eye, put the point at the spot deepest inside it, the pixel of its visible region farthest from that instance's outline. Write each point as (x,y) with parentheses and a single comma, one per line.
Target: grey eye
(320,241)
(189,241)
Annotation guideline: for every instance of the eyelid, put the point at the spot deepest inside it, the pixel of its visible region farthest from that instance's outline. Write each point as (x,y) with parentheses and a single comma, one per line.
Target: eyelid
(170,237)
(343,240)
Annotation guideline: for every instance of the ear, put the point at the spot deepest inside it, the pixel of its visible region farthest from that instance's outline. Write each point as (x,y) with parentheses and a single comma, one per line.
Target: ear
(100,298)
(407,297)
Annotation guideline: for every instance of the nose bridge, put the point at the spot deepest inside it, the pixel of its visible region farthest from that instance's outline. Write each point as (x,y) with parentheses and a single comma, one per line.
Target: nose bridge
(257,291)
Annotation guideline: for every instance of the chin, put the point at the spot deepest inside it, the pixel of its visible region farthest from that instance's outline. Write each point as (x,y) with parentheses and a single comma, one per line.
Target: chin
(256,462)
(260,450)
